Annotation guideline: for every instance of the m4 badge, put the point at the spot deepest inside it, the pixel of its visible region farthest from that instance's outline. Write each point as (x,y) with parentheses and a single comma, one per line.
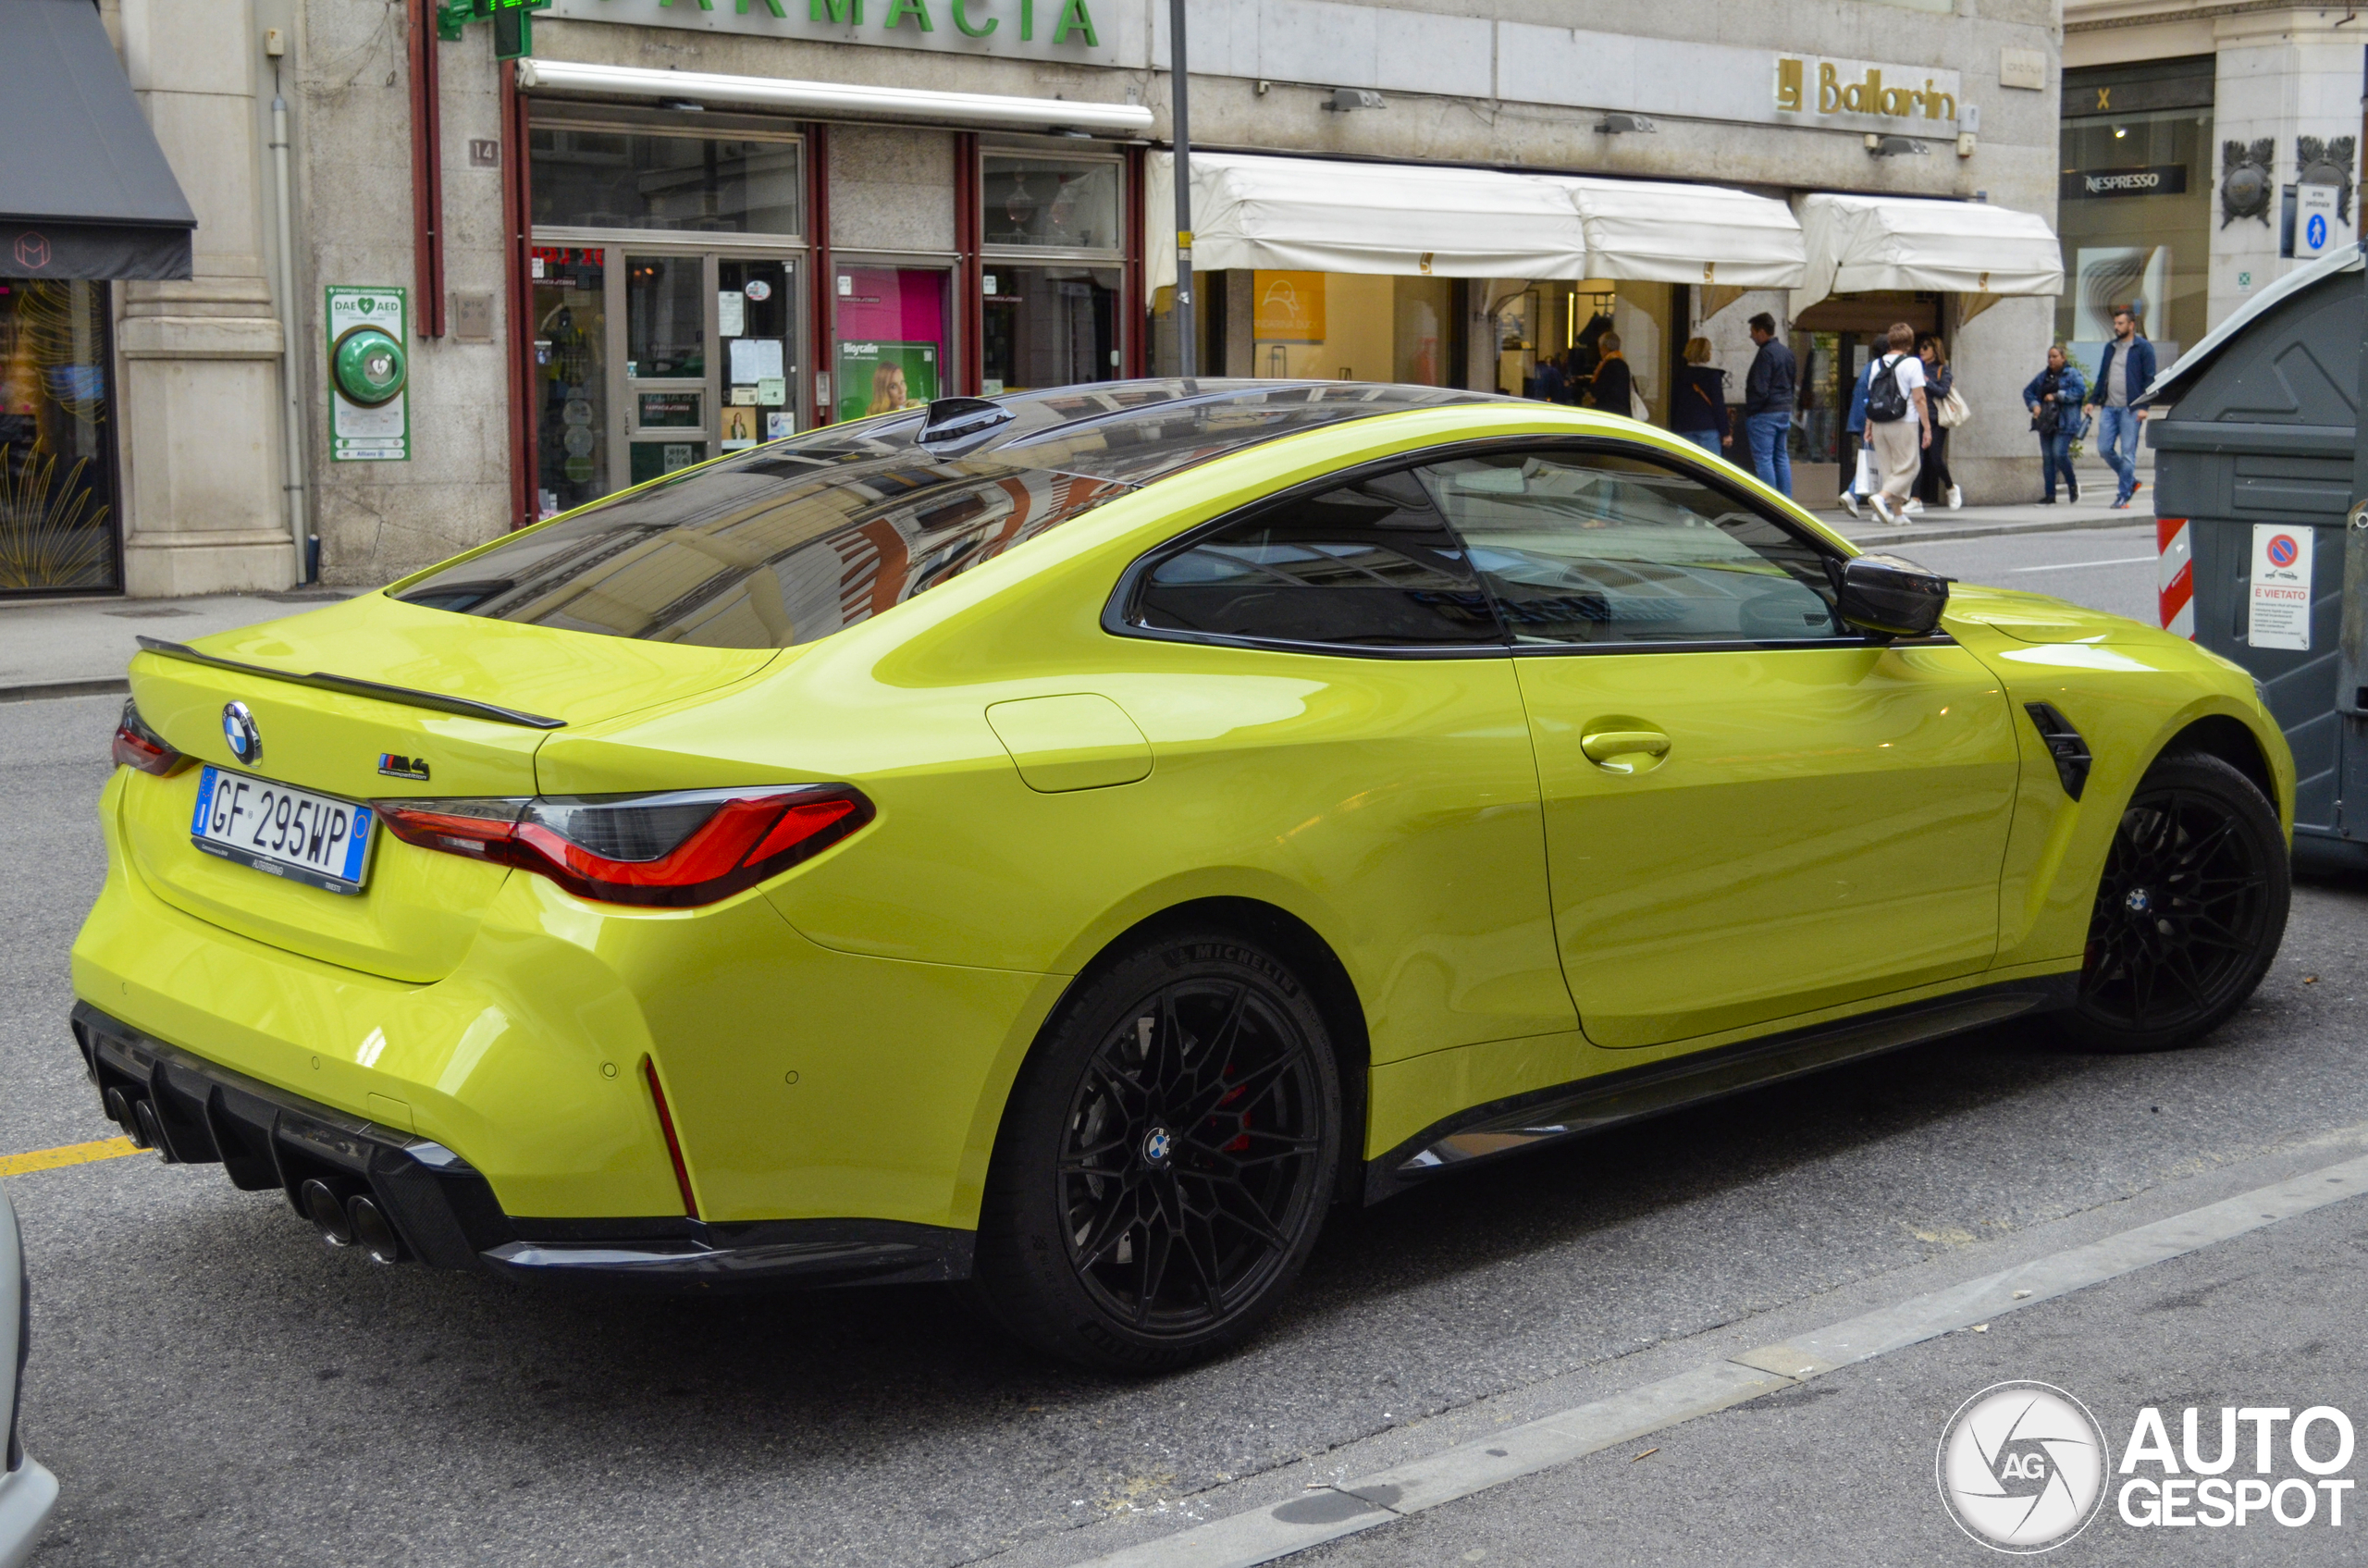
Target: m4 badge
(399,766)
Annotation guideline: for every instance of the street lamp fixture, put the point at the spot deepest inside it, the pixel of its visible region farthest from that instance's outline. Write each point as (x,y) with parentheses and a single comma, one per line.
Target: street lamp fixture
(1347,100)
(1623,125)
(1894,146)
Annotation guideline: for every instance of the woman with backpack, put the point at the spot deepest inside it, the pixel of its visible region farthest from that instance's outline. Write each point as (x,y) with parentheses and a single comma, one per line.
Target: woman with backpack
(1899,421)
(1698,409)
(2055,397)
(1933,485)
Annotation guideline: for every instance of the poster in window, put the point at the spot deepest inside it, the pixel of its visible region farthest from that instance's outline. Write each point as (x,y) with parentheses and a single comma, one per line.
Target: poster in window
(883,377)
(1290,307)
(739,426)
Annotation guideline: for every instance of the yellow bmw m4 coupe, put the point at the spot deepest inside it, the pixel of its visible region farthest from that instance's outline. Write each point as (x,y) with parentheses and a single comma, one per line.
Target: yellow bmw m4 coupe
(1068,842)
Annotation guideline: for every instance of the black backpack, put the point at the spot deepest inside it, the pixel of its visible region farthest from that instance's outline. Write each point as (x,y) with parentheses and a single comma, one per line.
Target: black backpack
(1885,402)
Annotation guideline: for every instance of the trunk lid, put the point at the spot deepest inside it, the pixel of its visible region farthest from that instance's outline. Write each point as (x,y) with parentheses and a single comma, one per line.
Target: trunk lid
(334,693)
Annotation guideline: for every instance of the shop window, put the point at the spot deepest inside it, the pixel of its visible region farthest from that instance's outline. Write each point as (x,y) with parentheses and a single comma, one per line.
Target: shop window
(1050,203)
(570,376)
(594,179)
(892,338)
(1048,326)
(58,516)
(1349,326)
(2135,214)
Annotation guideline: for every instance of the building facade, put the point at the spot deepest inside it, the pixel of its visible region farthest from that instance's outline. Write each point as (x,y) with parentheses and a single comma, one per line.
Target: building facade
(2208,149)
(684,226)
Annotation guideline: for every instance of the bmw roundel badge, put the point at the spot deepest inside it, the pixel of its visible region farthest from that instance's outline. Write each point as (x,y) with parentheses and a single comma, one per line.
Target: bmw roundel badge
(239,730)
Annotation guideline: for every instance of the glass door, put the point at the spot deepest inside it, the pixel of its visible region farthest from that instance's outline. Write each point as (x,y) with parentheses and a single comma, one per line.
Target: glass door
(755,327)
(893,348)
(571,401)
(669,404)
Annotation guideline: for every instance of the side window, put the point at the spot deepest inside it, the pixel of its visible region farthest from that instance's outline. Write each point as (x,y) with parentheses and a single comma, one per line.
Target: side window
(1601,549)
(1367,565)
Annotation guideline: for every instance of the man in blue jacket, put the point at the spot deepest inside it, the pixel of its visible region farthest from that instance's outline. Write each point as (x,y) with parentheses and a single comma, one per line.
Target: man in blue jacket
(2121,378)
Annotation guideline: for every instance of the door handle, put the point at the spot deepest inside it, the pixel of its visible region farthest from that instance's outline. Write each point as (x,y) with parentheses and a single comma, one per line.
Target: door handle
(1625,751)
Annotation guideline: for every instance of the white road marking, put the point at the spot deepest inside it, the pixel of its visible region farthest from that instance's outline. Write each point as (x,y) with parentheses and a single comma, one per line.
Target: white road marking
(1263,1534)
(2075,565)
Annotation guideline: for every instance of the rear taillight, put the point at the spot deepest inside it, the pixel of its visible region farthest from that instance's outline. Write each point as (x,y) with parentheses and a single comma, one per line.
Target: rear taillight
(676,849)
(137,746)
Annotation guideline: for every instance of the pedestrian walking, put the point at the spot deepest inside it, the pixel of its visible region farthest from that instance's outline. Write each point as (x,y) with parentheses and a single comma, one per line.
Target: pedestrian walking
(1612,387)
(1698,409)
(1933,485)
(2127,370)
(1770,388)
(2055,397)
(1853,438)
(1899,422)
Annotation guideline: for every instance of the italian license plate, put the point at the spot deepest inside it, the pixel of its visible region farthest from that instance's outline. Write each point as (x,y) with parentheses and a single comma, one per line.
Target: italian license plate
(314,839)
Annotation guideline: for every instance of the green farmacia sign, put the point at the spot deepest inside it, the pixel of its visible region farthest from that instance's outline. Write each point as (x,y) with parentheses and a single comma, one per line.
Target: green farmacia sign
(1045,29)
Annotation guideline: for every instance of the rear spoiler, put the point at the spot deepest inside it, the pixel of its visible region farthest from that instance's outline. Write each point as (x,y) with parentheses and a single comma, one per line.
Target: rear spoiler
(406,696)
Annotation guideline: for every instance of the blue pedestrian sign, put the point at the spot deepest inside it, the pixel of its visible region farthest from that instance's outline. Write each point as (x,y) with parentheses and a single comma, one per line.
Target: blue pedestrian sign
(2315,220)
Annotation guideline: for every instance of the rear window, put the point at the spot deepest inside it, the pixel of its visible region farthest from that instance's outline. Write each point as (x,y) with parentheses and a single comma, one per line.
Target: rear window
(800,539)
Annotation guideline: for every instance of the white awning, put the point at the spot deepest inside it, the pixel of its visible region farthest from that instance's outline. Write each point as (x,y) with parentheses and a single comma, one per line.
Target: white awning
(834,100)
(1662,231)
(1318,215)
(1858,243)
(1314,215)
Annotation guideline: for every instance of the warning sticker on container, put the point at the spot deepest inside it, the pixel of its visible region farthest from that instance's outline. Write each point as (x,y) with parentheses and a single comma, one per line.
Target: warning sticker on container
(2280,614)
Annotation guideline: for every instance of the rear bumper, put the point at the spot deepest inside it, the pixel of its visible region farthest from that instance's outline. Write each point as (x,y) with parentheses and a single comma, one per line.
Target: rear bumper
(194,1111)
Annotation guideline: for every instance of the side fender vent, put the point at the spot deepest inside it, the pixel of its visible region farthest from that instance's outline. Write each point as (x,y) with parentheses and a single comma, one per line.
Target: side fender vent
(2064,744)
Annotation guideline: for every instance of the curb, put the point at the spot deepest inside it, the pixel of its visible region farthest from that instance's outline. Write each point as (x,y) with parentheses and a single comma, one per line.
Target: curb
(40,690)
(1993,531)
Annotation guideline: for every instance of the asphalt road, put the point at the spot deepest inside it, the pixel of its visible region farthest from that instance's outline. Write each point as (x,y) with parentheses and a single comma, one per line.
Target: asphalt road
(213,1386)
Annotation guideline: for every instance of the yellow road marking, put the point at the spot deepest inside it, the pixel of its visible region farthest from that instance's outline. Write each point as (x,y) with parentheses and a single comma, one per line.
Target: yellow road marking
(68,1153)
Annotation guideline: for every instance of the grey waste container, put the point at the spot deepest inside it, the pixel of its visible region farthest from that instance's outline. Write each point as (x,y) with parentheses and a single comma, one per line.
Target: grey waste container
(2255,453)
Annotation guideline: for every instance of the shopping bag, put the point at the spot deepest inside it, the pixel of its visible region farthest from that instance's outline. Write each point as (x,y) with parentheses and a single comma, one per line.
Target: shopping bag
(1870,478)
(1955,411)
(1637,409)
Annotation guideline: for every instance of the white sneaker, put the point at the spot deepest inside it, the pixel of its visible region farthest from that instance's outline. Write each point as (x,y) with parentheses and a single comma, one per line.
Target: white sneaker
(1883,507)
(1850,499)
(1914,508)
(1956,498)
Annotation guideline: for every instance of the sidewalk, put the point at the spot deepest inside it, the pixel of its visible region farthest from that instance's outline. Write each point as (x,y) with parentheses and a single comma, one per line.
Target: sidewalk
(79,648)
(2094,509)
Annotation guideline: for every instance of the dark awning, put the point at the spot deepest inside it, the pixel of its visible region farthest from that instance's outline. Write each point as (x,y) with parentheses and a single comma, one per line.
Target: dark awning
(85,190)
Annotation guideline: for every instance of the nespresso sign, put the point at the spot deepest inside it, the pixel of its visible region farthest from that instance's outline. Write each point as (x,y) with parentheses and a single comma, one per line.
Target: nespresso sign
(2158,180)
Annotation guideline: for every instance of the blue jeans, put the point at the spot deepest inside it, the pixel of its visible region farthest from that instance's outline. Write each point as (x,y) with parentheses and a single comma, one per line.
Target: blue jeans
(1771,455)
(2055,457)
(2117,444)
(1707,440)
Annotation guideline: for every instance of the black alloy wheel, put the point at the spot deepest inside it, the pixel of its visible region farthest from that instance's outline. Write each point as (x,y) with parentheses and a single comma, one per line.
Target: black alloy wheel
(2190,911)
(1168,1158)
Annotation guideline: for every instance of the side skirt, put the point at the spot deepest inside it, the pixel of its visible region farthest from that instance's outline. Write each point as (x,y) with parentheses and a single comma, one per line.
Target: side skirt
(1550,1116)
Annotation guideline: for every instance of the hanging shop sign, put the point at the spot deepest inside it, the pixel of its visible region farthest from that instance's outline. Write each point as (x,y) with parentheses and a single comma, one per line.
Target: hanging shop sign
(2155,179)
(369,375)
(1045,30)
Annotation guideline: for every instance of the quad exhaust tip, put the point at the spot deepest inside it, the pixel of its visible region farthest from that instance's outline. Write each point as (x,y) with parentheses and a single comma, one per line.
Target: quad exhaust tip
(327,1211)
(372,1232)
(357,1222)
